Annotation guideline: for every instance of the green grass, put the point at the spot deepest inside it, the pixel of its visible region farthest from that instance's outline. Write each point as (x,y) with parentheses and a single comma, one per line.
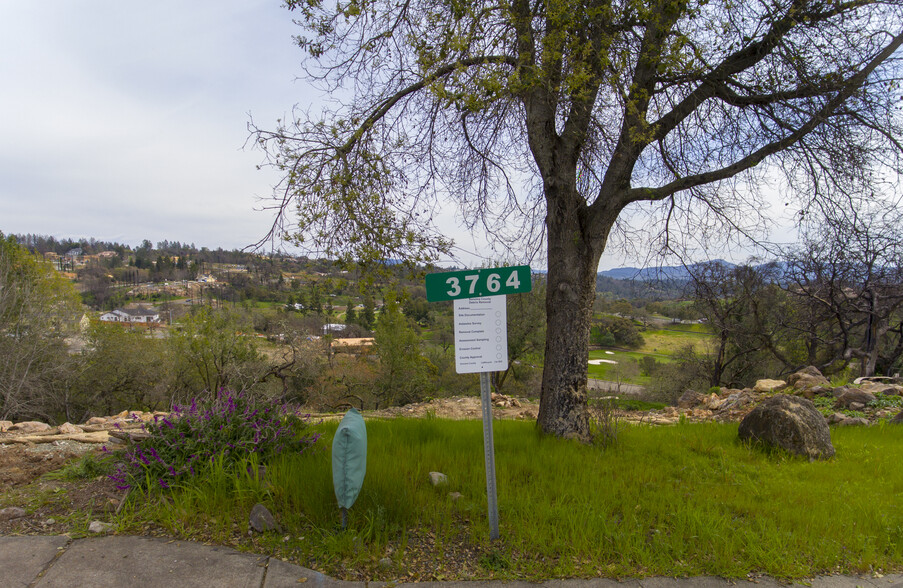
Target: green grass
(692,328)
(667,341)
(681,500)
(617,354)
(265,304)
(87,466)
(612,372)
(660,344)
(634,404)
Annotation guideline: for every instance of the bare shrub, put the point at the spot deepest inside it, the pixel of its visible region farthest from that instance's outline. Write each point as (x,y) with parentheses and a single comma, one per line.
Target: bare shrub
(604,421)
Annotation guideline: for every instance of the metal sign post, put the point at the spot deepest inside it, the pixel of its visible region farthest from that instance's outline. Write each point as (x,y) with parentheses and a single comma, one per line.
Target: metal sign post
(489,454)
(481,341)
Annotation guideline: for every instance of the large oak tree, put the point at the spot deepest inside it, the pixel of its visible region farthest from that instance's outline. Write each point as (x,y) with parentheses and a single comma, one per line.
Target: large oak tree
(542,120)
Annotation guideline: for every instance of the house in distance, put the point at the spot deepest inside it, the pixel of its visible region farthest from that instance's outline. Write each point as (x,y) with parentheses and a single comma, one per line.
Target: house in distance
(140,315)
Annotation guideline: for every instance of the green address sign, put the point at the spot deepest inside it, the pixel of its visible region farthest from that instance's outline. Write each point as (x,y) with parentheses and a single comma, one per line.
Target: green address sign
(477,283)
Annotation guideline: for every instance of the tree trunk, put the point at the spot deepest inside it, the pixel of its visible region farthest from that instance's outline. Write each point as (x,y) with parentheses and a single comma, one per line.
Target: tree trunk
(571,289)
(877,331)
(876,328)
(718,367)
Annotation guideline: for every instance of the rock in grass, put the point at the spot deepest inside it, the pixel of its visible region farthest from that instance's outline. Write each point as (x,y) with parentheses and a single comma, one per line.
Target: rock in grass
(790,423)
(854,422)
(837,417)
(261,520)
(438,478)
(897,420)
(852,396)
(99,527)
(11,512)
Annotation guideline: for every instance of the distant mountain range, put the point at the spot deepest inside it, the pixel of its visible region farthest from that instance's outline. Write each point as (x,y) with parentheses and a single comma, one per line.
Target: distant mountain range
(667,272)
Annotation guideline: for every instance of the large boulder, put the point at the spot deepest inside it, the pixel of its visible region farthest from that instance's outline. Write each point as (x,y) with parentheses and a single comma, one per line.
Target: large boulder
(809,382)
(29,427)
(690,399)
(852,396)
(763,386)
(791,423)
(840,390)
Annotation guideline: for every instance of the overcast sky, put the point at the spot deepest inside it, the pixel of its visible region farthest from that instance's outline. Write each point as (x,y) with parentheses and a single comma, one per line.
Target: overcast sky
(126,120)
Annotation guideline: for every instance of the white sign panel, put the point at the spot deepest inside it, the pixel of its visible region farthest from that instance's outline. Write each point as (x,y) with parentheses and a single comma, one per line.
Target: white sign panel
(481,335)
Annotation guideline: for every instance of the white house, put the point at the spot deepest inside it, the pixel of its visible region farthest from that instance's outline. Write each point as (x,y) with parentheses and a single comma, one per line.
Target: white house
(131,315)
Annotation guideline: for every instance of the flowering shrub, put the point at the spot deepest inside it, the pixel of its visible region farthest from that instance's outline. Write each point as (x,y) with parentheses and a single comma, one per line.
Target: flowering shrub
(224,428)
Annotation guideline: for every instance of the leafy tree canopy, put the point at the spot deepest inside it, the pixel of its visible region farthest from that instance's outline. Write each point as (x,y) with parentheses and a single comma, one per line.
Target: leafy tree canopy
(38,309)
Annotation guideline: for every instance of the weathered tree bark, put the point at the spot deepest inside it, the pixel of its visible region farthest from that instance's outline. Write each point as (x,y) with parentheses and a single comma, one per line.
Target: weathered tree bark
(571,289)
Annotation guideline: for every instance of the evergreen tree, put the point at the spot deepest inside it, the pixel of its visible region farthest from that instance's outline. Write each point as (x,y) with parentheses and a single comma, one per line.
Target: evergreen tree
(403,371)
(367,317)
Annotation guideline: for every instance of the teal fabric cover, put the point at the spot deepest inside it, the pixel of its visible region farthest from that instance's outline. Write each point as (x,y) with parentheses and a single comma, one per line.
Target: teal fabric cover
(349,458)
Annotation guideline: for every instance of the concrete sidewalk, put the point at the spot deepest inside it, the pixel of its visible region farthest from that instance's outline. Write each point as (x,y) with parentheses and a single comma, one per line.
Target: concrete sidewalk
(138,562)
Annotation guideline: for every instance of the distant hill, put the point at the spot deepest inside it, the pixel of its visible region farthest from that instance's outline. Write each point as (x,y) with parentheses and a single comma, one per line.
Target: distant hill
(667,272)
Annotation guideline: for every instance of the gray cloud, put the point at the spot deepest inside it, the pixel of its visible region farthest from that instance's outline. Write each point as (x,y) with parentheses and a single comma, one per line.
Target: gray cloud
(126,120)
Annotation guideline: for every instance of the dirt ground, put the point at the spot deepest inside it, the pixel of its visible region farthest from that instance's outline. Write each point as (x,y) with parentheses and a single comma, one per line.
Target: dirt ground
(22,464)
(51,503)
